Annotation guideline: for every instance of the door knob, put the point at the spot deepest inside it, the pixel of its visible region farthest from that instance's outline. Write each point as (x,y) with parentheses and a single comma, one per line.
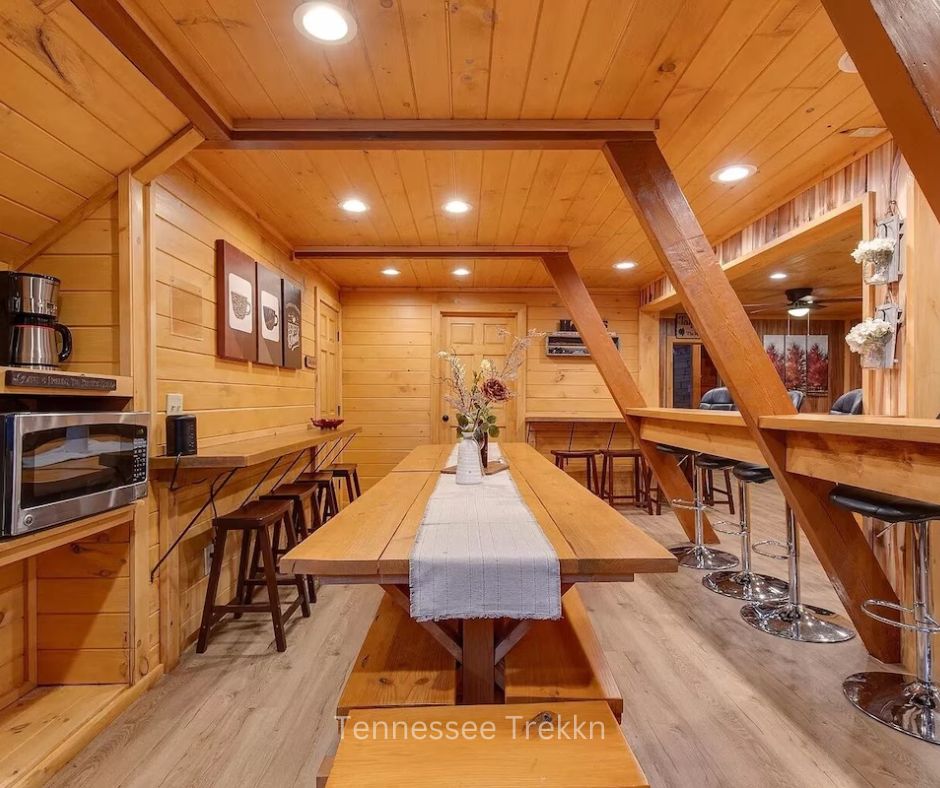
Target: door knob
(445,418)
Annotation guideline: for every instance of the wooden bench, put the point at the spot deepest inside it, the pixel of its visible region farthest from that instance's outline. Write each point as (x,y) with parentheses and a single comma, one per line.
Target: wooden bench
(561,661)
(399,664)
(511,754)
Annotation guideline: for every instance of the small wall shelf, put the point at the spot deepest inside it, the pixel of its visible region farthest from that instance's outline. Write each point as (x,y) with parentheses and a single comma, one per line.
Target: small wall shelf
(71,384)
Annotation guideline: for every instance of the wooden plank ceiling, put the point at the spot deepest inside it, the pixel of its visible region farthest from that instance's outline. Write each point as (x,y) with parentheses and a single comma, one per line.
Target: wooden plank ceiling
(729,80)
(73,114)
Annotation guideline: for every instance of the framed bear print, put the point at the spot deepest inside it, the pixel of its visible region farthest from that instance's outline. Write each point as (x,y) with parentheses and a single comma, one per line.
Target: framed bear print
(293,350)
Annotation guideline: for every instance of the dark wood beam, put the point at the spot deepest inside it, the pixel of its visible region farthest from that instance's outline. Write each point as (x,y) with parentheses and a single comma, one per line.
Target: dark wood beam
(402,252)
(123,30)
(619,381)
(727,332)
(894,44)
(430,134)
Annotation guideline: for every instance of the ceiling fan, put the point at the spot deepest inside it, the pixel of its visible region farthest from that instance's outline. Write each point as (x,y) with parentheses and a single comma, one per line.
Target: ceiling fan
(800,302)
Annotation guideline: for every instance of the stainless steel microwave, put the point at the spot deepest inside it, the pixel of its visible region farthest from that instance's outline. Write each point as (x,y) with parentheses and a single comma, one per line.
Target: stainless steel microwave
(58,467)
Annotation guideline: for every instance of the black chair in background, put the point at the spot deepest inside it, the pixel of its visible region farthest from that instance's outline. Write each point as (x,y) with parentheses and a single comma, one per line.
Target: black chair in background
(849,404)
(718,399)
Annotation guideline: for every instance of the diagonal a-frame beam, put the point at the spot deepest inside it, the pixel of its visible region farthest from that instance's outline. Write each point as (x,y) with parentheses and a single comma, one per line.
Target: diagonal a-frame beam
(894,45)
(733,345)
(619,381)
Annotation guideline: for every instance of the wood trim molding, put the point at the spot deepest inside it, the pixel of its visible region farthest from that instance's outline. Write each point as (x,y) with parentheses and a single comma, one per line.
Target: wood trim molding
(168,154)
(727,332)
(464,252)
(619,381)
(120,27)
(366,134)
(894,47)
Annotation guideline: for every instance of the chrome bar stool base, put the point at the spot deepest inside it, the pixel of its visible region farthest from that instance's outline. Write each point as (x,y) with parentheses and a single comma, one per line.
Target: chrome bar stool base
(696,556)
(804,623)
(897,700)
(747,586)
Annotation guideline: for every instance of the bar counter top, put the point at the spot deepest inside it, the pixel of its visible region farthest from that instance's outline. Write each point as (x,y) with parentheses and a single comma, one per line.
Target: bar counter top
(246,452)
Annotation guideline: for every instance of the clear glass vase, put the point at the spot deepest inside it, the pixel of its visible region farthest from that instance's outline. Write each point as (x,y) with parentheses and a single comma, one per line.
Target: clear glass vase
(874,356)
(878,268)
(469,466)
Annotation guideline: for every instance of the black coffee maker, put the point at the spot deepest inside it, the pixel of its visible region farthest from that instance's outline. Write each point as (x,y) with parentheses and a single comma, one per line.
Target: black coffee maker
(29,321)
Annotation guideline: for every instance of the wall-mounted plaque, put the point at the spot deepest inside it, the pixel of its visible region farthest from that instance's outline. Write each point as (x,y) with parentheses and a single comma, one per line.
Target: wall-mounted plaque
(235,290)
(269,317)
(293,350)
(685,329)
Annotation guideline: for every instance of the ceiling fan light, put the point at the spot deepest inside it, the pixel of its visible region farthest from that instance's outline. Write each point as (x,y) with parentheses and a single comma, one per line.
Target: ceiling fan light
(798,311)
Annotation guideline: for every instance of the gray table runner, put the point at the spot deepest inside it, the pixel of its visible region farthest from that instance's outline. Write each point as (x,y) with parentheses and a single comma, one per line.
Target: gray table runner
(480,553)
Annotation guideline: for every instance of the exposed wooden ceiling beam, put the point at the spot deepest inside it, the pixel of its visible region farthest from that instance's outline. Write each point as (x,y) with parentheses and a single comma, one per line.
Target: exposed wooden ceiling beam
(402,252)
(727,332)
(894,47)
(362,134)
(619,381)
(123,30)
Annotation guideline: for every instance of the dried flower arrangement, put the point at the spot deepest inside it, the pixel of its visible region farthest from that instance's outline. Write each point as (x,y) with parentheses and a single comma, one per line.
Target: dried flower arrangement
(871,332)
(473,398)
(875,257)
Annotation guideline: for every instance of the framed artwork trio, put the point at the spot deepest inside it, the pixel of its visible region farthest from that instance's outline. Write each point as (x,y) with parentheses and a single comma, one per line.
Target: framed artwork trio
(258,311)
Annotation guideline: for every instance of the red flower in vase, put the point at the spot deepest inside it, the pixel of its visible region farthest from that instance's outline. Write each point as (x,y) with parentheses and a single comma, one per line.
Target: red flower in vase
(495,390)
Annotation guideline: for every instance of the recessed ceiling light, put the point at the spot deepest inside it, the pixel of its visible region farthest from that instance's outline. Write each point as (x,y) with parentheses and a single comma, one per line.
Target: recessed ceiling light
(847,65)
(735,172)
(798,311)
(354,205)
(778,275)
(456,206)
(461,272)
(325,22)
(625,265)
(391,271)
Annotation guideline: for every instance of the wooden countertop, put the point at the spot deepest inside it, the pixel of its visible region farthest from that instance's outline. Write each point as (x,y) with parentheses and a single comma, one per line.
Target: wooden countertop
(246,452)
(370,540)
(722,417)
(548,418)
(882,427)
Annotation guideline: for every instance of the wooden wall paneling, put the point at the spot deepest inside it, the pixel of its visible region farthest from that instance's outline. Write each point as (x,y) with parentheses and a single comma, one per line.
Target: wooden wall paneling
(620,382)
(894,50)
(17,625)
(733,345)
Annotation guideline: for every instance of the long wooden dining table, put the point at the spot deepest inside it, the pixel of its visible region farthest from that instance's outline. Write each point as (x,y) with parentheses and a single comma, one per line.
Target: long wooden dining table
(370,541)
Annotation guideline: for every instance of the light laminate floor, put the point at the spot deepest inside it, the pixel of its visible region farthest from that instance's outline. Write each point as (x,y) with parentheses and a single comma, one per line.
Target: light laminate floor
(708,700)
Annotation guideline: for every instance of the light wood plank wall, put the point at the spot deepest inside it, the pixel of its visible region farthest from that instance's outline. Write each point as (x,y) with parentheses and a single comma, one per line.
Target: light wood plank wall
(387,369)
(86,262)
(13,633)
(229,398)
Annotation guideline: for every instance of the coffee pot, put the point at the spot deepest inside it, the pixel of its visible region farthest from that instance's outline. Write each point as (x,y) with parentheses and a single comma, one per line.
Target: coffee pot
(29,326)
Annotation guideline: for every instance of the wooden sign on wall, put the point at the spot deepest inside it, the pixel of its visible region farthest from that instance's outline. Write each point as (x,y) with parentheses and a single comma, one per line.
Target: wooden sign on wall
(235,291)
(269,318)
(293,350)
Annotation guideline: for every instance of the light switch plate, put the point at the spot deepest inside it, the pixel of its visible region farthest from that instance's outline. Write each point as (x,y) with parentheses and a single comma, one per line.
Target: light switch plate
(174,404)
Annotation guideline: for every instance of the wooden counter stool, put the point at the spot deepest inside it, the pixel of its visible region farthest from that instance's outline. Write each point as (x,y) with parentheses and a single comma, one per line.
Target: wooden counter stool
(608,456)
(909,704)
(562,456)
(256,519)
(696,554)
(301,495)
(349,473)
(327,502)
(746,584)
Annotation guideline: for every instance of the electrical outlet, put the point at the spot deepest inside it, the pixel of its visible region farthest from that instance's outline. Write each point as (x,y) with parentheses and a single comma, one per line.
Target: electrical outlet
(206,560)
(174,404)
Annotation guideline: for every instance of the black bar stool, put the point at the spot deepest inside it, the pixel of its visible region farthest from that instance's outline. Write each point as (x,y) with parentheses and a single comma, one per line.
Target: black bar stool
(697,555)
(301,495)
(562,456)
(256,519)
(910,704)
(747,585)
(348,472)
(790,618)
(327,502)
(608,456)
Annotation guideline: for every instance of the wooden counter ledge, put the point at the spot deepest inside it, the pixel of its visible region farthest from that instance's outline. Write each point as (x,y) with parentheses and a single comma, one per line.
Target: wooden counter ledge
(246,452)
(879,427)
